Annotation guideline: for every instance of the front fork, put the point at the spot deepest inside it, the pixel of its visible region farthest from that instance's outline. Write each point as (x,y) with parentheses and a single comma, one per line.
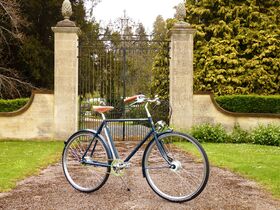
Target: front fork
(163,151)
(158,128)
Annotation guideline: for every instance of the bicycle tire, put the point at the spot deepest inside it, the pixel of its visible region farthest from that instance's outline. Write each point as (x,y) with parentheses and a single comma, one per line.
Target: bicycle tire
(84,177)
(177,184)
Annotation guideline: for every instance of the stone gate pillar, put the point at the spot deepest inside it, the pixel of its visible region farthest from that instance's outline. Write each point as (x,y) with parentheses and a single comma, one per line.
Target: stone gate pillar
(181,75)
(65,75)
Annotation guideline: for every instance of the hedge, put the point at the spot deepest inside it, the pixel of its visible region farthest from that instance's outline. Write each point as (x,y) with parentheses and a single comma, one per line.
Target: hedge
(12,105)
(262,134)
(250,103)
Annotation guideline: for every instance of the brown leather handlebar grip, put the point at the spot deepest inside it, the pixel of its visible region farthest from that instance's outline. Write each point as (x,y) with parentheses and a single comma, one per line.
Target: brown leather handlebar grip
(130,99)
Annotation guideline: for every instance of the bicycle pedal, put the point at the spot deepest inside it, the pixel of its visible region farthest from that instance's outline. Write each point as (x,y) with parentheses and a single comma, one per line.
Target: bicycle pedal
(127,165)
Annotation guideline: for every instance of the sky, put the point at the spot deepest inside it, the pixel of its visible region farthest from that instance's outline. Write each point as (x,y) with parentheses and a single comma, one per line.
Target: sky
(144,11)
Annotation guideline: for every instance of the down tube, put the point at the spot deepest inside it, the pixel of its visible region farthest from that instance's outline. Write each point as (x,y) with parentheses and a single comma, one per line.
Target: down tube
(139,145)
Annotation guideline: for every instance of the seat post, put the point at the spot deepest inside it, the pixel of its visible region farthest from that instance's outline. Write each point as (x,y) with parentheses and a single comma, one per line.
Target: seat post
(103,116)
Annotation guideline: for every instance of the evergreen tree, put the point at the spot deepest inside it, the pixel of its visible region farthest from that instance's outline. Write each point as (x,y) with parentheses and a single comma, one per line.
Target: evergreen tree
(35,57)
(26,42)
(160,81)
(140,64)
(237,45)
(159,28)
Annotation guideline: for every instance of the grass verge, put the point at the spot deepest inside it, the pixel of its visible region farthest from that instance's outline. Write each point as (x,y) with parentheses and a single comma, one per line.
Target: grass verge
(256,162)
(19,159)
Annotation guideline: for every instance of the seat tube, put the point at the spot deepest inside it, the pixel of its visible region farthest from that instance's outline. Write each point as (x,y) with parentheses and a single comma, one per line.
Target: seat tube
(109,139)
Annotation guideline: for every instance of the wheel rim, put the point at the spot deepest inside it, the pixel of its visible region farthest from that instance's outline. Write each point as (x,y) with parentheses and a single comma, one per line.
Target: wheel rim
(189,172)
(83,177)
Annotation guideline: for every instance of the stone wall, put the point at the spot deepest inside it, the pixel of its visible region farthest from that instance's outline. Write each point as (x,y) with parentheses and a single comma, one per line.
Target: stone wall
(33,121)
(191,109)
(55,115)
(206,109)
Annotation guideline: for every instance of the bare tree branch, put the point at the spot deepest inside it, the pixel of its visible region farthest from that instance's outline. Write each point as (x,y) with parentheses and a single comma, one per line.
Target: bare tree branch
(11,22)
(90,6)
(11,84)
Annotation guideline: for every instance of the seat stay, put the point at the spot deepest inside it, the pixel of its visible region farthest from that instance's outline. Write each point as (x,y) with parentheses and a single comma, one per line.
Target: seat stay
(95,135)
(93,149)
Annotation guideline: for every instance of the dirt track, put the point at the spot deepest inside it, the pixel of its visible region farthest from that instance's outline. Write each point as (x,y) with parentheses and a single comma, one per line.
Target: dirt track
(50,190)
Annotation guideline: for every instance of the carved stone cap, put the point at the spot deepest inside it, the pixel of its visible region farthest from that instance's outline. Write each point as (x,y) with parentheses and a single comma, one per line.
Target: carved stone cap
(66,11)
(66,23)
(74,30)
(181,12)
(181,28)
(182,25)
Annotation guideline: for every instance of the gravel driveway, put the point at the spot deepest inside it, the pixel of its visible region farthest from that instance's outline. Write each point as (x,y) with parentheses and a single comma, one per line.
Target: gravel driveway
(50,190)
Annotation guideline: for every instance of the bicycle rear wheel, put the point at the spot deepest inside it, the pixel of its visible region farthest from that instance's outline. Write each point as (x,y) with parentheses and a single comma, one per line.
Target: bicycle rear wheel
(85,177)
(189,174)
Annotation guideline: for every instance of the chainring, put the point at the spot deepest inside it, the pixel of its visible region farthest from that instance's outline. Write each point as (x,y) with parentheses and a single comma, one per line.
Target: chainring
(118,167)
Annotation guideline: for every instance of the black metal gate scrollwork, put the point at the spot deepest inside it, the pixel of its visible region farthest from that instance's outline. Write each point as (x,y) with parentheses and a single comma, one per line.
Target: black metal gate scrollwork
(110,69)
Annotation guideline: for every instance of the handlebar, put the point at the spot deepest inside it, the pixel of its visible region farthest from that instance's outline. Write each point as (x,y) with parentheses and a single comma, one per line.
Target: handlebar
(138,99)
(134,100)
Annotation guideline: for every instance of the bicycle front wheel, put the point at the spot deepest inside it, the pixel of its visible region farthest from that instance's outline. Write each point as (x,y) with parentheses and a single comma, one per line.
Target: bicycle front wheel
(188,173)
(86,177)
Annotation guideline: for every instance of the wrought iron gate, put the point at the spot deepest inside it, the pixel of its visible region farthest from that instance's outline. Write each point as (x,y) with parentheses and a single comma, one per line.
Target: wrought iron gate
(110,69)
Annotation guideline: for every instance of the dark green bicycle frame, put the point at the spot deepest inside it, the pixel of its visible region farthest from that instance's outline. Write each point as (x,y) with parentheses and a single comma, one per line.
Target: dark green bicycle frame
(104,125)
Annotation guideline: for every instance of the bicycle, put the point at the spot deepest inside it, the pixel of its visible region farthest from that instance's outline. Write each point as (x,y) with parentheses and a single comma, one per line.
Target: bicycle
(173,174)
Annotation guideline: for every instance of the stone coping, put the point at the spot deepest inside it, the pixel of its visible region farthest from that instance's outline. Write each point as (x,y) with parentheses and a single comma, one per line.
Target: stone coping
(27,105)
(68,29)
(235,114)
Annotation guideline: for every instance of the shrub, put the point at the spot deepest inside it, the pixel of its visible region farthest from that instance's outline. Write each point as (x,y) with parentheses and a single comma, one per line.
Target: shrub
(209,133)
(263,135)
(238,135)
(250,103)
(12,105)
(266,135)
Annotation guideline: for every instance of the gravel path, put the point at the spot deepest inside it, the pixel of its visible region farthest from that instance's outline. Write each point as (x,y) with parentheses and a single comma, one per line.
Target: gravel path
(50,190)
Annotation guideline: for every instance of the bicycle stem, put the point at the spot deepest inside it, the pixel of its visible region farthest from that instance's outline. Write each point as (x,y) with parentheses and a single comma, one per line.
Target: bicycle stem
(147,110)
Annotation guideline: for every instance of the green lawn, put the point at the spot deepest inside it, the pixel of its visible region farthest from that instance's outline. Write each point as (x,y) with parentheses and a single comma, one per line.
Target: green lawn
(259,163)
(19,159)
